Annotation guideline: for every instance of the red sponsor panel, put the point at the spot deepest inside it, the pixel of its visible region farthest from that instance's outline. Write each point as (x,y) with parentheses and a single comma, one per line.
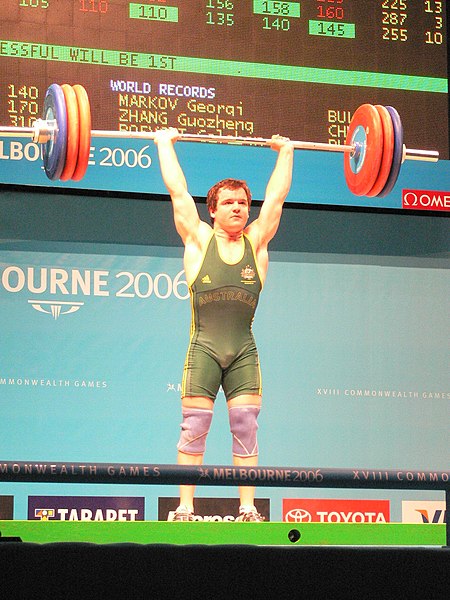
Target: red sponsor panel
(329,510)
(425,200)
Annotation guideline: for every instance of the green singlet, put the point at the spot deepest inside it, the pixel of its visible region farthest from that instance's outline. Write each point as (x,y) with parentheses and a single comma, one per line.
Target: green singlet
(222,349)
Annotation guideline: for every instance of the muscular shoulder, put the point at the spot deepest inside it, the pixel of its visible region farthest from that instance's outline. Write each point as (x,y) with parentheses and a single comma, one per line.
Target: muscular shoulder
(194,249)
(259,247)
(253,233)
(204,234)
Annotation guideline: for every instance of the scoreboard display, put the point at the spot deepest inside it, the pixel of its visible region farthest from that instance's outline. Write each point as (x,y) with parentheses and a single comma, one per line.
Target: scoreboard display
(232,67)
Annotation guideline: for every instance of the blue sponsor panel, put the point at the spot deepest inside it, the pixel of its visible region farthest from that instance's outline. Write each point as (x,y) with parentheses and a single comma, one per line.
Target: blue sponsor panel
(127,165)
(353,352)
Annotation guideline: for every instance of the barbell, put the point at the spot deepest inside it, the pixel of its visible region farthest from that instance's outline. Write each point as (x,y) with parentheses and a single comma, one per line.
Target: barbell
(373,153)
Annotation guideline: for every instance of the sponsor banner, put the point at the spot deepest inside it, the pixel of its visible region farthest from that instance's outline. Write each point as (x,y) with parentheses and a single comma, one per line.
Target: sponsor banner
(211,509)
(328,510)
(85,508)
(425,200)
(67,288)
(423,511)
(6,508)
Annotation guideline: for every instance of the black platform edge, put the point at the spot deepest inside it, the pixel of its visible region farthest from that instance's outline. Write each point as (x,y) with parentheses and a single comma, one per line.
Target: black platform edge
(83,570)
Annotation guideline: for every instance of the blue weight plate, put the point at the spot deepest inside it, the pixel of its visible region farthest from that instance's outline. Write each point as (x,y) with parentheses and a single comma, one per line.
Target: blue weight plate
(54,150)
(398,153)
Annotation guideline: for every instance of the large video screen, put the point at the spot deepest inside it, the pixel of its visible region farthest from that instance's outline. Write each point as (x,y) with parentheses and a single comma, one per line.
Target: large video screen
(228,67)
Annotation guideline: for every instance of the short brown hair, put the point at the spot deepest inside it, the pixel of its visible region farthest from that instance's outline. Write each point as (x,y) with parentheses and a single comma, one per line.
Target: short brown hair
(226,184)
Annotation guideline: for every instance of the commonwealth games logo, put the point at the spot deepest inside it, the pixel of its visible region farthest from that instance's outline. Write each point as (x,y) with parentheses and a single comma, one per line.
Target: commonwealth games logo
(55,308)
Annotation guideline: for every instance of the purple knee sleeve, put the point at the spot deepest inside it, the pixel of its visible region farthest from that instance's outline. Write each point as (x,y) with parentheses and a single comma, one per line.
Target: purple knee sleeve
(194,429)
(243,427)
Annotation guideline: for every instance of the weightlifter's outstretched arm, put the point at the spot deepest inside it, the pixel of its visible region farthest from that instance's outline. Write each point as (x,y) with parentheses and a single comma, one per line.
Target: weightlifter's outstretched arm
(265,226)
(185,211)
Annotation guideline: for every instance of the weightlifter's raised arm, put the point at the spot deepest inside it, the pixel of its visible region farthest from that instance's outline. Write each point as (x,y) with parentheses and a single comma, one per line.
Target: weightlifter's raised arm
(185,211)
(277,190)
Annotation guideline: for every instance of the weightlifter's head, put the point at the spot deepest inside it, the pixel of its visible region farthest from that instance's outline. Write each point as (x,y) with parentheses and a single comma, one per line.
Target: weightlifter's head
(226,184)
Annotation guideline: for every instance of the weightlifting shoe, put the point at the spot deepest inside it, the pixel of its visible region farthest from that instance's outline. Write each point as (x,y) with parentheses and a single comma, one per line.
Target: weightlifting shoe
(182,514)
(250,516)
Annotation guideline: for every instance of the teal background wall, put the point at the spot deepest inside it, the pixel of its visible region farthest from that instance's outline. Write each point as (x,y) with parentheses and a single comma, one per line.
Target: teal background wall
(352,328)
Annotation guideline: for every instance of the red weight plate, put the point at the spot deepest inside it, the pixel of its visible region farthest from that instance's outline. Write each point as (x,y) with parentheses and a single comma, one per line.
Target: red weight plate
(85,132)
(73,132)
(362,166)
(388,150)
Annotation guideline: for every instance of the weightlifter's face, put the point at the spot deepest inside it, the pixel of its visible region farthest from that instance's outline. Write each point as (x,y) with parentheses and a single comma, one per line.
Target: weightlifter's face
(232,210)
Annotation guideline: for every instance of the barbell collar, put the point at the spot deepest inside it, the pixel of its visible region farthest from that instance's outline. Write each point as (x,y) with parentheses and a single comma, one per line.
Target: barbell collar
(43,131)
(40,133)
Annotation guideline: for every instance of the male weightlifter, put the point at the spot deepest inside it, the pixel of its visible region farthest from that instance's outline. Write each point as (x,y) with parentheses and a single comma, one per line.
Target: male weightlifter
(225,267)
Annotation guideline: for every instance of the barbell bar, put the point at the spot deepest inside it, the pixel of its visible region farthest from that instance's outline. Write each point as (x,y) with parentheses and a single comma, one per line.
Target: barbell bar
(373,153)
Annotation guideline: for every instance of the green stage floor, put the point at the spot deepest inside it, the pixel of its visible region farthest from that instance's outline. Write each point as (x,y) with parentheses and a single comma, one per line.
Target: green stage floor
(260,534)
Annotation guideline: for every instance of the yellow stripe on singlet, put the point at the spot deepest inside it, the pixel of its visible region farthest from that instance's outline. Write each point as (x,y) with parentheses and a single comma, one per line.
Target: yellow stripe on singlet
(192,327)
(256,262)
